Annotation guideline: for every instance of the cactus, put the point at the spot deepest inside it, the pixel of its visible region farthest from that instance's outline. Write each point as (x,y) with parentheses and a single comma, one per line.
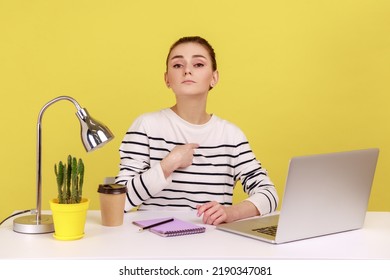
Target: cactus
(80,173)
(60,180)
(68,177)
(70,180)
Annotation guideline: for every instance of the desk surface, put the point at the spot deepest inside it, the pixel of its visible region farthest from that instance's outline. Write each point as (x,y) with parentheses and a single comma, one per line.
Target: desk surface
(125,242)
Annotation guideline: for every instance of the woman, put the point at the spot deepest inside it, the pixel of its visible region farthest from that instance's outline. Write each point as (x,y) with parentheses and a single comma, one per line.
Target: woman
(185,158)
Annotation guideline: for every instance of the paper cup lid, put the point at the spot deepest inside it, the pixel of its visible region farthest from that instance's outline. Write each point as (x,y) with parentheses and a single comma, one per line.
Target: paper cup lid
(112,189)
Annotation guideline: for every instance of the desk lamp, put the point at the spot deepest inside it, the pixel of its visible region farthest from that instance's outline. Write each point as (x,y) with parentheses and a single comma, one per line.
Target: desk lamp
(93,135)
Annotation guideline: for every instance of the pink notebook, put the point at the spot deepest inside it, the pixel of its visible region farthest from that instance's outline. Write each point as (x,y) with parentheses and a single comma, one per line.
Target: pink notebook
(172,228)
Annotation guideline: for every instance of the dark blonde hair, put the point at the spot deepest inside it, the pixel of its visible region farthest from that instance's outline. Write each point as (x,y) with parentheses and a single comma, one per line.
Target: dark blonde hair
(198,40)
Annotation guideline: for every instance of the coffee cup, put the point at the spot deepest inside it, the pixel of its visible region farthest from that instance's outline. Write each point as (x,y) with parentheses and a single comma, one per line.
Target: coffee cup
(112,204)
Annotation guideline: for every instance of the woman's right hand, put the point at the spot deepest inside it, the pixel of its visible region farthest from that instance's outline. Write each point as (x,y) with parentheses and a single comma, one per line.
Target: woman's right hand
(180,157)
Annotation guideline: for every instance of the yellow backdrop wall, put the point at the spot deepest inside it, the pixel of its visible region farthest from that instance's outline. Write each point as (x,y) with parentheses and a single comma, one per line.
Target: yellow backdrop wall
(299,77)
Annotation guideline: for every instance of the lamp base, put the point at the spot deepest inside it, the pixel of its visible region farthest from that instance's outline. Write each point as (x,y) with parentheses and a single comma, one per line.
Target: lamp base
(29,224)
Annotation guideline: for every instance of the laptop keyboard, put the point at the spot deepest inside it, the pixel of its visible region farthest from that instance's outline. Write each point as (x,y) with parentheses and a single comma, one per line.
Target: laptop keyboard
(271,230)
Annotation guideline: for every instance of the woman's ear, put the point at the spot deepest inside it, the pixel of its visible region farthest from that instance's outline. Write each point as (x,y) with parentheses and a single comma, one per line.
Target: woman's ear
(215,79)
(166,80)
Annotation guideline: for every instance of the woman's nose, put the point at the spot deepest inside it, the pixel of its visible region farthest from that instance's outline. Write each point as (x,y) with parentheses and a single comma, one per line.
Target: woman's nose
(187,71)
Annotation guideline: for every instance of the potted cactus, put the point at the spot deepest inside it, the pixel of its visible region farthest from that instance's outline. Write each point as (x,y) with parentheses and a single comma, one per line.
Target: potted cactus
(70,180)
(69,208)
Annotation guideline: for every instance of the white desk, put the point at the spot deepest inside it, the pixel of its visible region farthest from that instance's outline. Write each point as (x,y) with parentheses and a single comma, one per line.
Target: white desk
(125,242)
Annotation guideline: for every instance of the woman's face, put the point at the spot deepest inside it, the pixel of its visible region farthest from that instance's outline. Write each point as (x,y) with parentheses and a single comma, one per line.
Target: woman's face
(189,70)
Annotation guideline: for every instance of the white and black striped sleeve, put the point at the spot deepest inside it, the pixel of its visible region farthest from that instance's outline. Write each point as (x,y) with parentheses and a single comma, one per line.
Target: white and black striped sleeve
(254,179)
(142,180)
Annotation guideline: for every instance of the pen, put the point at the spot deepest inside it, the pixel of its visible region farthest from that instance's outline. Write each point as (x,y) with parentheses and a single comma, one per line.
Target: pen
(156,224)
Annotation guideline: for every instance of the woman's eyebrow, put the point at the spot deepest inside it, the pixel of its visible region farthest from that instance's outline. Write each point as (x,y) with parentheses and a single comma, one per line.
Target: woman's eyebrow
(176,56)
(199,55)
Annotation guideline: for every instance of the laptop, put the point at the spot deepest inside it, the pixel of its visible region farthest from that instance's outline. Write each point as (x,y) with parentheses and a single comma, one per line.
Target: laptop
(324,194)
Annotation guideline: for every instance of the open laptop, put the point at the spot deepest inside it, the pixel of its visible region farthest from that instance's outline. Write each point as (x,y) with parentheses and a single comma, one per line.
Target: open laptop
(324,194)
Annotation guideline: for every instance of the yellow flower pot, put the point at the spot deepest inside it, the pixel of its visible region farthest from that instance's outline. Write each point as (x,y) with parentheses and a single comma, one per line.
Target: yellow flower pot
(69,219)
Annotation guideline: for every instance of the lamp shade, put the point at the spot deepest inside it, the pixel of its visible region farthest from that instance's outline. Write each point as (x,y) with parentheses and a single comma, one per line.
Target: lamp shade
(94,134)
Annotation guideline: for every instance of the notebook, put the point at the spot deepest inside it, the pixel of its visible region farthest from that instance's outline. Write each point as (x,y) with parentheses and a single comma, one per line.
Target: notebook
(175,227)
(324,194)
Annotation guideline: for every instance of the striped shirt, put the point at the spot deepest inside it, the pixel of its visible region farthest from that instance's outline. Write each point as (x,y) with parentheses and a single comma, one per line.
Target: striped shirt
(222,158)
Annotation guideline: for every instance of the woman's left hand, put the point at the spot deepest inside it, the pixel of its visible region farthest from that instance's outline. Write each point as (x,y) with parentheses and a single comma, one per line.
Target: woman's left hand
(213,213)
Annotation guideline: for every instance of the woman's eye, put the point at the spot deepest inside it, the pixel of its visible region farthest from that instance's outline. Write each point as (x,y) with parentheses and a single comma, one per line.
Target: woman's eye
(197,65)
(177,65)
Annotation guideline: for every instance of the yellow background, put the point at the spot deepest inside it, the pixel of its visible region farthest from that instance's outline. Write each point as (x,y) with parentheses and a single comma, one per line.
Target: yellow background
(299,77)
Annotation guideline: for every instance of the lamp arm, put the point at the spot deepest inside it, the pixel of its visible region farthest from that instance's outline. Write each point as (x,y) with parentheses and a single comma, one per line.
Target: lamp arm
(64,97)
(39,149)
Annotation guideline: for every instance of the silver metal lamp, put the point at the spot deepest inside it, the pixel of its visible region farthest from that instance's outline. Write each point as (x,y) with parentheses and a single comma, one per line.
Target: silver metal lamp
(93,134)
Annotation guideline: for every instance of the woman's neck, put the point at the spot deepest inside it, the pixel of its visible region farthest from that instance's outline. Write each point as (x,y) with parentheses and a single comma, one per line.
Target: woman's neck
(192,113)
